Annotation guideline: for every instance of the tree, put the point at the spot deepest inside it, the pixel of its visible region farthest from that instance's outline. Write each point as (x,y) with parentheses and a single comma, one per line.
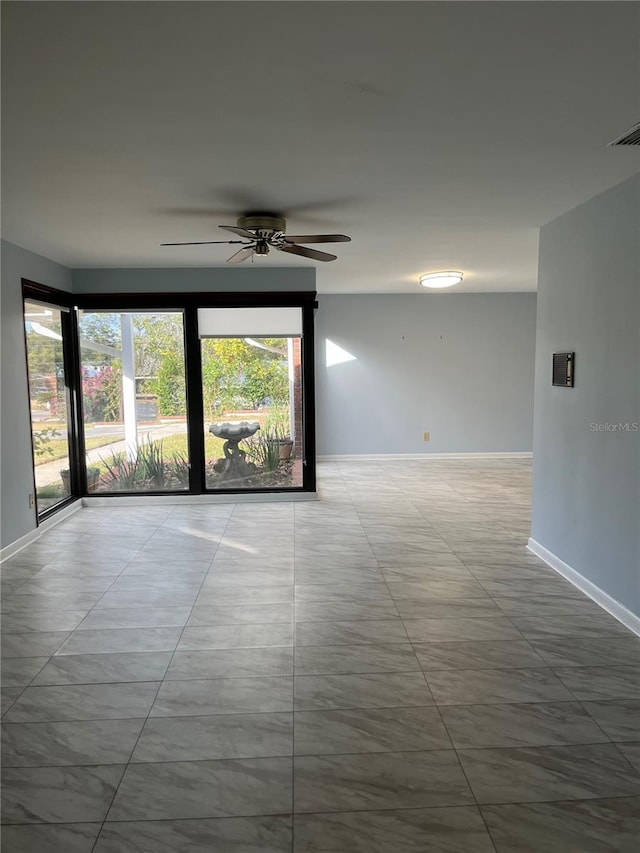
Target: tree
(156,337)
(159,355)
(101,371)
(46,367)
(159,362)
(221,372)
(169,386)
(100,328)
(266,378)
(102,392)
(237,374)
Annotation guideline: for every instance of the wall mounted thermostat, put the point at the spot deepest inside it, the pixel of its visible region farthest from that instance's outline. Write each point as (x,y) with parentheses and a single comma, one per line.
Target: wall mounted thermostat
(563,369)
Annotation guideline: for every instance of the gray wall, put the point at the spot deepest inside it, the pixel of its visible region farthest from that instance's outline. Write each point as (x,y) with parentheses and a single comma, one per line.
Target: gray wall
(16,466)
(193,279)
(459,366)
(586,485)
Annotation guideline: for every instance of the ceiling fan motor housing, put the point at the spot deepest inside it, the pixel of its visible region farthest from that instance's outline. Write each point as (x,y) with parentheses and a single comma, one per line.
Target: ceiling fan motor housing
(265,225)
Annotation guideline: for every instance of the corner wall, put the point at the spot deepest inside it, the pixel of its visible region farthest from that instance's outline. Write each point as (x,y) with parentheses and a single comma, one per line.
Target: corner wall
(459,366)
(16,462)
(586,474)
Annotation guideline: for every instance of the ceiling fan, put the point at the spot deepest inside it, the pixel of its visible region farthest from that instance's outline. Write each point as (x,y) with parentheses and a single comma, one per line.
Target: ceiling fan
(266,231)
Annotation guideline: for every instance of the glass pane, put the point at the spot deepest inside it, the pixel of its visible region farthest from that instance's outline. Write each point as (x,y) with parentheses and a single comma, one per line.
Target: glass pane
(47,395)
(252,393)
(134,401)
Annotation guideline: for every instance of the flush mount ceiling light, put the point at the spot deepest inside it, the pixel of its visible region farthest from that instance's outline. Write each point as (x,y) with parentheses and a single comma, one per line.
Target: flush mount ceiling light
(441,279)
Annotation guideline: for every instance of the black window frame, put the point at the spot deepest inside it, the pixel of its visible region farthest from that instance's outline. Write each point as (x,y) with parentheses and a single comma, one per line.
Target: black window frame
(63,301)
(187,304)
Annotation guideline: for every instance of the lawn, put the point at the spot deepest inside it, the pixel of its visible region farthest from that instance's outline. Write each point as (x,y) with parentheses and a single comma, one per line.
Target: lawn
(171,445)
(60,448)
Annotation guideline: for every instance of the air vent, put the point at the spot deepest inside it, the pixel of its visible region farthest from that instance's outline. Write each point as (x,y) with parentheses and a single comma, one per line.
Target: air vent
(631,137)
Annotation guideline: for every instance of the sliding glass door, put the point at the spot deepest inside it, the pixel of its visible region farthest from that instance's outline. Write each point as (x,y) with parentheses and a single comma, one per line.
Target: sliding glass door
(49,404)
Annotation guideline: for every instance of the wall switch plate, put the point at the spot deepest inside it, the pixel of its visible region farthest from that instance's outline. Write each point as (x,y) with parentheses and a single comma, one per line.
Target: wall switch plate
(426,436)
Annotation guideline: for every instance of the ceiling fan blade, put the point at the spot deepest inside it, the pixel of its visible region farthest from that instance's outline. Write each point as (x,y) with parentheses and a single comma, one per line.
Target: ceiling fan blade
(242,232)
(241,255)
(319,238)
(204,243)
(307,253)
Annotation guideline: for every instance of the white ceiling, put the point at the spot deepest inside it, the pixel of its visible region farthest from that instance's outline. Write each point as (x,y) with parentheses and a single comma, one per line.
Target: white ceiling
(438,135)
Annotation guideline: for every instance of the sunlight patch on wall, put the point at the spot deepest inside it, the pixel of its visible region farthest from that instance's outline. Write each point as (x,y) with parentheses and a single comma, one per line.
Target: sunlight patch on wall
(336,354)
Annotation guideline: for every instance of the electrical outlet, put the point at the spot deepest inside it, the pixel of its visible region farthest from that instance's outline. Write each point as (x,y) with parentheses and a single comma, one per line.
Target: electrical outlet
(426,436)
(32,501)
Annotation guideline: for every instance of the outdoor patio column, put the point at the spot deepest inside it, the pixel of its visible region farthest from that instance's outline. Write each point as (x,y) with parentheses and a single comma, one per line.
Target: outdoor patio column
(129,386)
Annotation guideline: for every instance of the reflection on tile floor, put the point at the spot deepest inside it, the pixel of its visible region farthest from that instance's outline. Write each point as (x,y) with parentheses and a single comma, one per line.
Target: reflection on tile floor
(386,670)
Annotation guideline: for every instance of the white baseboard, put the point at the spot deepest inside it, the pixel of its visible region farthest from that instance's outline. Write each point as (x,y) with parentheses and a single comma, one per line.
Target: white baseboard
(181,500)
(617,610)
(32,535)
(382,457)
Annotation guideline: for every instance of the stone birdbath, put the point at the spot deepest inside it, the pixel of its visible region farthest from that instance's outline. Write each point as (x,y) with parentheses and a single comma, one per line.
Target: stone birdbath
(235,465)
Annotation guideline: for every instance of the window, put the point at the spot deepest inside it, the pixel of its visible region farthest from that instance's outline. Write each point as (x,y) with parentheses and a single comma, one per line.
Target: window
(48,399)
(134,401)
(252,397)
(196,393)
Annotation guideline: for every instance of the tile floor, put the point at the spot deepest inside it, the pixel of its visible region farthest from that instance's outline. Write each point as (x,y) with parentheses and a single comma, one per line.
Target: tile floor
(387,670)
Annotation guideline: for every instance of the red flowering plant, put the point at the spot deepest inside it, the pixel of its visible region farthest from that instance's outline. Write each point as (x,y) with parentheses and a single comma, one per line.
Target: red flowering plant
(101,390)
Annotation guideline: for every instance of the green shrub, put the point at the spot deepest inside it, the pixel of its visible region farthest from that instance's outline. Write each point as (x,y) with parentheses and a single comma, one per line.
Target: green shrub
(181,468)
(123,474)
(264,452)
(169,385)
(42,442)
(148,471)
(152,464)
